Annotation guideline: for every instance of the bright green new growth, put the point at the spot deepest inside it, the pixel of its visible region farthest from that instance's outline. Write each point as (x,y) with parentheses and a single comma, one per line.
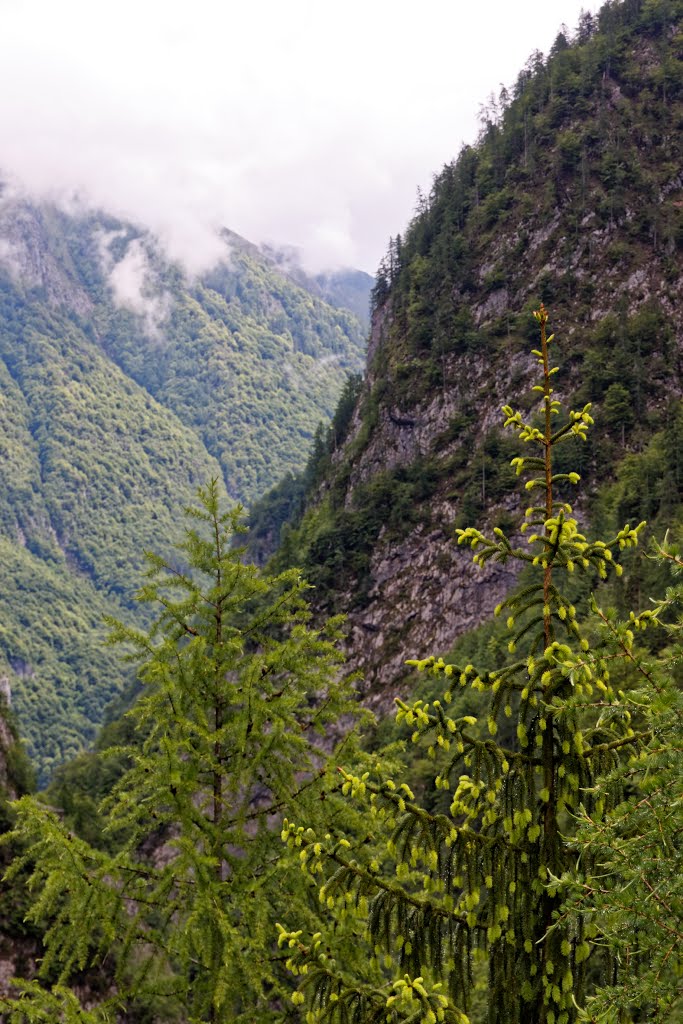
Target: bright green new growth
(629,874)
(481,874)
(237,691)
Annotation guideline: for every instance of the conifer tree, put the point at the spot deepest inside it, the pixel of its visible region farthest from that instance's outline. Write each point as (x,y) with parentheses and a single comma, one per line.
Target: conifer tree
(630,861)
(238,692)
(483,873)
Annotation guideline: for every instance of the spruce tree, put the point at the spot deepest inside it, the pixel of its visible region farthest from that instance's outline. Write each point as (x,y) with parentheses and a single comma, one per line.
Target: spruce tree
(482,876)
(629,877)
(238,695)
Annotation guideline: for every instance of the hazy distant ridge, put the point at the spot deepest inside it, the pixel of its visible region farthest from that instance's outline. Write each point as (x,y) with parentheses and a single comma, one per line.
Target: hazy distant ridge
(124,384)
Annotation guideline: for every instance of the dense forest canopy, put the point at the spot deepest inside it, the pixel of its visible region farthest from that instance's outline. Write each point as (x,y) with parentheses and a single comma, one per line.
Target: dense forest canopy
(125,384)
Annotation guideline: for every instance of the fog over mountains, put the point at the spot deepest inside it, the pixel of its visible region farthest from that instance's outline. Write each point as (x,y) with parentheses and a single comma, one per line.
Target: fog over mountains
(127,382)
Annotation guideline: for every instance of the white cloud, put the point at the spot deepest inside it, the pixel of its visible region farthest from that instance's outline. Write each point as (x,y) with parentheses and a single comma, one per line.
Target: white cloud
(128,279)
(8,258)
(303,122)
(133,283)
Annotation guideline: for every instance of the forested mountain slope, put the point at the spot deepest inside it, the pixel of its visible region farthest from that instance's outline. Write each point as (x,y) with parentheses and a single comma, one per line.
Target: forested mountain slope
(573,195)
(124,384)
(342,288)
(94,471)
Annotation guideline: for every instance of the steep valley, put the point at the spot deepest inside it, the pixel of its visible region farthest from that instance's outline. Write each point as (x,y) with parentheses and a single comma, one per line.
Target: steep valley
(125,384)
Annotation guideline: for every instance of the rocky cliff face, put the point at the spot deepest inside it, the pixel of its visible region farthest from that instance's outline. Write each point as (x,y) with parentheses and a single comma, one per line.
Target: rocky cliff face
(422,591)
(572,196)
(6,741)
(31,255)
(424,594)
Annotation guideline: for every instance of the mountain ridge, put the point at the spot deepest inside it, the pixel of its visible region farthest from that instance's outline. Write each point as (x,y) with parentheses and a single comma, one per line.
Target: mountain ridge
(124,385)
(572,196)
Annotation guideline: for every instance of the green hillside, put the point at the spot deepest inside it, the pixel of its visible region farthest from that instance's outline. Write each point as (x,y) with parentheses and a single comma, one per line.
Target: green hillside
(243,354)
(94,471)
(52,638)
(124,385)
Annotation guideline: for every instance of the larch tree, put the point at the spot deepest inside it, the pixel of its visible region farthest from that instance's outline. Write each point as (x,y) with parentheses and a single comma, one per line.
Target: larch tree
(239,693)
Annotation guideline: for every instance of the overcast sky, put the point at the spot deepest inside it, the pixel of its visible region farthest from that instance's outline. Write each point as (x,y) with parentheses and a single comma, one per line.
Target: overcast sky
(307,122)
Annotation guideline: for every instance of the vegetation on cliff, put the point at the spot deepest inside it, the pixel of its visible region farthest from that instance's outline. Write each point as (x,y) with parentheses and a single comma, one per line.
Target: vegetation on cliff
(573,196)
(580,724)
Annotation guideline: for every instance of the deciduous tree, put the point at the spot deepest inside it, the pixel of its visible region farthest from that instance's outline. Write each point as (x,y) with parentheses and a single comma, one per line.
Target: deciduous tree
(239,693)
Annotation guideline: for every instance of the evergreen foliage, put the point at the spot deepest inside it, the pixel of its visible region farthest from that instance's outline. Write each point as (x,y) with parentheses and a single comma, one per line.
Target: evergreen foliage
(482,873)
(572,129)
(238,696)
(630,878)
